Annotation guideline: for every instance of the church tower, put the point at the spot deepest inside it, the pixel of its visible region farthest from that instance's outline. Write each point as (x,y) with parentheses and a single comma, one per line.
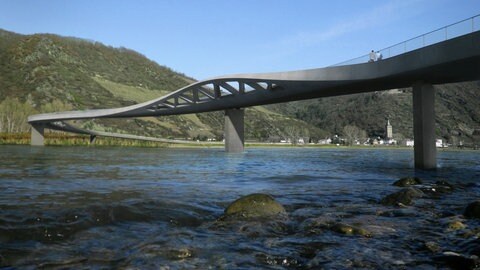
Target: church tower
(388,130)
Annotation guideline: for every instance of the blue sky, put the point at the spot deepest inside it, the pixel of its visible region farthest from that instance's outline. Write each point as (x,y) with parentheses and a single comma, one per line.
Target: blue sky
(209,38)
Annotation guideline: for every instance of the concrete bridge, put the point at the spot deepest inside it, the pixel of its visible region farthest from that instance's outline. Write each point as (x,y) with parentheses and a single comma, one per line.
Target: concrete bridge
(452,60)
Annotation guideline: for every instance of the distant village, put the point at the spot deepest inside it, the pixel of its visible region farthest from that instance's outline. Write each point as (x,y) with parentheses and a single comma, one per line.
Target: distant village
(358,137)
(387,140)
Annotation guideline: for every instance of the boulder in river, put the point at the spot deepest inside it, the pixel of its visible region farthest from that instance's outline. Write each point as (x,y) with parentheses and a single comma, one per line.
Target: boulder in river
(458,261)
(179,254)
(253,206)
(473,210)
(443,186)
(431,246)
(402,197)
(349,230)
(407,181)
(456,225)
(444,183)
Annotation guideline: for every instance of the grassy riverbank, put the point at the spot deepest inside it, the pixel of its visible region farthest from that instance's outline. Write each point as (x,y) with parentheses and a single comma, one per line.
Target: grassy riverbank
(55,139)
(58,139)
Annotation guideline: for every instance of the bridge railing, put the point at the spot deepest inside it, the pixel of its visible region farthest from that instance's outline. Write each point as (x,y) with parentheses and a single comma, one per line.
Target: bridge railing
(460,28)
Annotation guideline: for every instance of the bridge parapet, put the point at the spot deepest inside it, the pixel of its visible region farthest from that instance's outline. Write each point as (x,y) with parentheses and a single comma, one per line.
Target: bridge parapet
(453,30)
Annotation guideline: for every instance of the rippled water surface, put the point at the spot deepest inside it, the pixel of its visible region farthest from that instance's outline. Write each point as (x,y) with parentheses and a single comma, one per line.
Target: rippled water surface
(138,208)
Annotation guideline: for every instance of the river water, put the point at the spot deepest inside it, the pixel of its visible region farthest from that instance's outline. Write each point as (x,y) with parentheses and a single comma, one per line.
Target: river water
(151,208)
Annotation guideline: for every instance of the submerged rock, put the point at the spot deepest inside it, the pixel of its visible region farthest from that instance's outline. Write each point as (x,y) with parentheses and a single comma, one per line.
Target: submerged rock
(440,187)
(432,246)
(349,230)
(458,261)
(444,183)
(472,210)
(320,225)
(317,225)
(468,233)
(342,228)
(179,254)
(407,181)
(273,260)
(400,212)
(402,197)
(253,206)
(456,225)
(435,191)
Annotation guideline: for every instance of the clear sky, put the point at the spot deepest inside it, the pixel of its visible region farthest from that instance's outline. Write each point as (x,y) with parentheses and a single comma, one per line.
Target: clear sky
(208,38)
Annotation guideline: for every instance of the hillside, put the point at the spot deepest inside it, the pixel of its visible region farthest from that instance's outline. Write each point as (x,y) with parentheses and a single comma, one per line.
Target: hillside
(50,73)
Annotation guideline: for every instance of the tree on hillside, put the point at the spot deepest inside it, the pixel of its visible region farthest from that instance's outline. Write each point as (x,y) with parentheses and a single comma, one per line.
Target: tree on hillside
(14,115)
(353,133)
(56,106)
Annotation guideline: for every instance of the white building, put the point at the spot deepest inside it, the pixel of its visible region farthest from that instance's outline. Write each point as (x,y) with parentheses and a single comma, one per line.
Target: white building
(439,143)
(325,141)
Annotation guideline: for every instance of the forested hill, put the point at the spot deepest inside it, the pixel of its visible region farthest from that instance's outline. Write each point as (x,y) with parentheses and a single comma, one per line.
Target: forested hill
(46,72)
(44,67)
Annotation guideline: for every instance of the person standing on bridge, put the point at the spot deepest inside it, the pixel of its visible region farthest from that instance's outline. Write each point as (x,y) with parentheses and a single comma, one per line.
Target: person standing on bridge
(373,56)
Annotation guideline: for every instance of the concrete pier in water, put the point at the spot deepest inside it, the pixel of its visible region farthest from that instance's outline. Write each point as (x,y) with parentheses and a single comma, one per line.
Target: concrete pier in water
(37,135)
(424,126)
(234,130)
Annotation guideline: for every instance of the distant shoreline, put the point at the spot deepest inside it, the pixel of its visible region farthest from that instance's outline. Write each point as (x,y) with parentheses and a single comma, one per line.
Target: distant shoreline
(83,140)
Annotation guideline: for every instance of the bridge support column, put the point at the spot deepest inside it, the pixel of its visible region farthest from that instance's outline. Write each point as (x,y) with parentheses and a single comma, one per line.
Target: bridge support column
(37,138)
(93,138)
(424,126)
(234,130)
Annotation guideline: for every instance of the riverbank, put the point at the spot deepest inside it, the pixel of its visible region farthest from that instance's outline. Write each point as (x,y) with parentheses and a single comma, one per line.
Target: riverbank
(53,139)
(56,139)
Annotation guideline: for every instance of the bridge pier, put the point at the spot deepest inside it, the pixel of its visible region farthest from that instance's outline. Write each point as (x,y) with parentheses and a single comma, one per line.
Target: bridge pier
(93,138)
(37,135)
(234,130)
(425,151)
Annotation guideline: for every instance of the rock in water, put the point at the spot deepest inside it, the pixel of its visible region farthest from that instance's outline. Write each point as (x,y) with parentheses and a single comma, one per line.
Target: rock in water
(349,230)
(432,246)
(458,261)
(404,196)
(456,225)
(255,205)
(472,210)
(407,181)
(342,228)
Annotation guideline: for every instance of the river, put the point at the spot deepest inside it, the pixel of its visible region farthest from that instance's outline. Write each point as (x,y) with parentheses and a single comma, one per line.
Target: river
(157,208)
